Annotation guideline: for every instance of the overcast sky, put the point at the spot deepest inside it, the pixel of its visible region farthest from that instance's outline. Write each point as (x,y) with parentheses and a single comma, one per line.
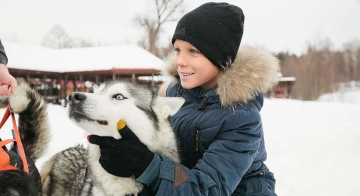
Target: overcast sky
(277,25)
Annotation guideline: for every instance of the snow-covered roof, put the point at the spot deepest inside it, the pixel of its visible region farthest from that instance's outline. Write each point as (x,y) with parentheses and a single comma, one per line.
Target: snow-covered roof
(287,79)
(80,59)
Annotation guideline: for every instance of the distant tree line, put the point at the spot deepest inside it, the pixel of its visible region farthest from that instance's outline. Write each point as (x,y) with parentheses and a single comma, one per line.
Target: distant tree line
(321,70)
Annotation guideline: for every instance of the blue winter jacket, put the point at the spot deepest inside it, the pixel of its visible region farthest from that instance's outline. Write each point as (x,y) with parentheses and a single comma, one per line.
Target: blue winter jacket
(220,134)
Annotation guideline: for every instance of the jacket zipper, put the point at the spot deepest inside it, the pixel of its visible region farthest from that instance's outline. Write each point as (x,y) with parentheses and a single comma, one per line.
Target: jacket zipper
(197,144)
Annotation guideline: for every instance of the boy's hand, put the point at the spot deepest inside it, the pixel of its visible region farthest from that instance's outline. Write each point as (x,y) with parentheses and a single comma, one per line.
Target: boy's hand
(123,157)
(7,82)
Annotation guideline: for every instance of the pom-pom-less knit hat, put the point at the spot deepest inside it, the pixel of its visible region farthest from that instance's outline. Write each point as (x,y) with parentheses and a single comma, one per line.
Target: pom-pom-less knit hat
(215,29)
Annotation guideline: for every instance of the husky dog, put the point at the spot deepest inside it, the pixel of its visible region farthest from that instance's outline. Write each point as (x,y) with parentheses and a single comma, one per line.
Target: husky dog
(77,171)
(34,133)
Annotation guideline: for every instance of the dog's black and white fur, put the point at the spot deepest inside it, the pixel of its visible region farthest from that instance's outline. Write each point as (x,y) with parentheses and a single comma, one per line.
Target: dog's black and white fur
(76,171)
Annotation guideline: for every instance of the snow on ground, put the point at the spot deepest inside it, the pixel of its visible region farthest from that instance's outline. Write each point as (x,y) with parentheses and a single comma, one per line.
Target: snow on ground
(313,147)
(346,93)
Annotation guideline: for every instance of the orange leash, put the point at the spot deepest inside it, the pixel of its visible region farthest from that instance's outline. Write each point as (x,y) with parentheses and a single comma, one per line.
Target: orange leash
(16,139)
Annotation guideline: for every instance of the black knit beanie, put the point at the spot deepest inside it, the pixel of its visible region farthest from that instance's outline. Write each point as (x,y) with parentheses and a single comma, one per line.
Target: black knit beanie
(215,29)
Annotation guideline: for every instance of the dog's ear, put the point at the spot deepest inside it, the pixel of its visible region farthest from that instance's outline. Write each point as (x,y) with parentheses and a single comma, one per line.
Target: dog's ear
(169,105)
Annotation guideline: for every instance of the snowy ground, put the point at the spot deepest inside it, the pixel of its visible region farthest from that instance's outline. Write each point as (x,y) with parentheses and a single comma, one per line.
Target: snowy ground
(313,147)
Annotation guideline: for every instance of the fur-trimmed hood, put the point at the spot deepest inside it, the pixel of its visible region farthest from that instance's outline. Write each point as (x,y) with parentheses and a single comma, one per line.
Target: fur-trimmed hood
(254,71)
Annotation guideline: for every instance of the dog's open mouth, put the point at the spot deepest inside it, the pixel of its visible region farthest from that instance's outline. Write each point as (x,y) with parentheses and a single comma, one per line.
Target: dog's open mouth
(79,116)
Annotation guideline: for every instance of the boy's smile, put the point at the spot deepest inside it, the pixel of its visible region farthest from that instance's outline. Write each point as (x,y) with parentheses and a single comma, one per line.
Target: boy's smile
(186,74)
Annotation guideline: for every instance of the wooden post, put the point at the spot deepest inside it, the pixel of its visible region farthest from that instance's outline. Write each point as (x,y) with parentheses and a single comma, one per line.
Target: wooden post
(45,84)
(65,85)
(152,82)
(82,89)
(133,77)
(59,83)
(28,79)
(97,79)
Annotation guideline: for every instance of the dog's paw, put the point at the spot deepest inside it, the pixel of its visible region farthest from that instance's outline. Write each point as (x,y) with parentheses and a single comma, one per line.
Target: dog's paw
(19,100)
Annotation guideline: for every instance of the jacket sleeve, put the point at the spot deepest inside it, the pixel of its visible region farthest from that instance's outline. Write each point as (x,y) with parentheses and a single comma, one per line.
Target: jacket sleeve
(3,57)
(222,166)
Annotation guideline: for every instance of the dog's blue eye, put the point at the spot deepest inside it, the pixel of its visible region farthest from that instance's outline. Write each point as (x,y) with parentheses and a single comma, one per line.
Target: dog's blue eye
(119,97)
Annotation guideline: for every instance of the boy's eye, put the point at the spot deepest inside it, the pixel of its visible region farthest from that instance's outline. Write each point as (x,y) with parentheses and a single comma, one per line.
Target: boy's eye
(119,97)
(194,51)
(176,49)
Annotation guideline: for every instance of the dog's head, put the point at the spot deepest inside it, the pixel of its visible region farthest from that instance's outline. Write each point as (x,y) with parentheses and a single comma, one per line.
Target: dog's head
(100,112)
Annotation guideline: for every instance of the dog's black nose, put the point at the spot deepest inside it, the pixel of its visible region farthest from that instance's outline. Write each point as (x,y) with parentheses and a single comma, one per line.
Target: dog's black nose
(76,97)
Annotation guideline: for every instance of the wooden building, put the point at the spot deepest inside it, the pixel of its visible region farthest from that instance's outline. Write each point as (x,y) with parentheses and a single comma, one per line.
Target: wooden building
(57,73)
(283,88)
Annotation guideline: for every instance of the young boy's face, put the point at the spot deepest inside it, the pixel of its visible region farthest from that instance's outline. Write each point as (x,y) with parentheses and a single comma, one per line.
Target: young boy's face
(194,69)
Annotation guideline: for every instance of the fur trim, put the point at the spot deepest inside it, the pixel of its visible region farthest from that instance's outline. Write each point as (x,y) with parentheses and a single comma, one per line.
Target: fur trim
(254,71)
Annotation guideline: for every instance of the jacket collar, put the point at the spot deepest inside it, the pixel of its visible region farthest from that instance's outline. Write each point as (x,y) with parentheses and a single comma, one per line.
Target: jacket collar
(254,71)
(209,95)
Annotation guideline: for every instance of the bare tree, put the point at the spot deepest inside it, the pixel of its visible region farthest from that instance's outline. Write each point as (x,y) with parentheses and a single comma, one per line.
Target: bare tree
(165,11)
(351,57)
(57,38)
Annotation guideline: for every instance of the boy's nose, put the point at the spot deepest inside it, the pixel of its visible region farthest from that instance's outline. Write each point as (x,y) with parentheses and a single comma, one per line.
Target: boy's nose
(180,61)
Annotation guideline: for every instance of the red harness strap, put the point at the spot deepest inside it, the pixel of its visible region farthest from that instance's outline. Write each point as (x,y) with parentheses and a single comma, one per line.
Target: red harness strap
(4,157)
